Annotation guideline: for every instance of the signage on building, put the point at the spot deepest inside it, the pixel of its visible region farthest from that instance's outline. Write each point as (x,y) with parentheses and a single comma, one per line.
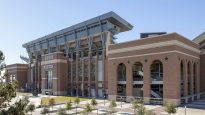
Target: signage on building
(48,66)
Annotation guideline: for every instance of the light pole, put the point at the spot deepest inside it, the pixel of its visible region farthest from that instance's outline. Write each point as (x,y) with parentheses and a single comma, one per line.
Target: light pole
(104,100)
(185,110)
(121,101)
(76,102)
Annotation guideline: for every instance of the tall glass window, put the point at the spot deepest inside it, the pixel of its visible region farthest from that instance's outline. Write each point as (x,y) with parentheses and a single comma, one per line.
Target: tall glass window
(50,79)
(121,71)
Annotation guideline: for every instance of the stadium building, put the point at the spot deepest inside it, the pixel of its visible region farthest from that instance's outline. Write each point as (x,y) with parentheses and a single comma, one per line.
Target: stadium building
(84,60)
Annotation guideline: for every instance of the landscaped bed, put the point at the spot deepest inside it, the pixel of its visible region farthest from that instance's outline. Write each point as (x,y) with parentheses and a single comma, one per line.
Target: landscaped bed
(60,99)
(23,94)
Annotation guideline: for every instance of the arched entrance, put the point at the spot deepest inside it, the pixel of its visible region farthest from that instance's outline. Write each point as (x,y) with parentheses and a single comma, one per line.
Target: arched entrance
(121,79)
(156,72)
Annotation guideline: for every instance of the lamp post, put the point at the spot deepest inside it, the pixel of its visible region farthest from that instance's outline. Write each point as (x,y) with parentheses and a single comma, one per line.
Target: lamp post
(121,101)
(76,103)
(185,110)
(104,99)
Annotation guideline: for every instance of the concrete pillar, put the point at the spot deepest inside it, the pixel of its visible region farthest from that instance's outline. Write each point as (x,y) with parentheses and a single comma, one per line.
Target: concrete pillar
(89,73)
(103,69)
(185,79)
(83,77)
(77,65)
(71,74)
(96,74)
(191,79)
(198,80)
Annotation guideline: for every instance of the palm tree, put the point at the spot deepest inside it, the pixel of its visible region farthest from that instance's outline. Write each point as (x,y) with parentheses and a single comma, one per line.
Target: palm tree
(94,103)
(170,108)
(88,108)
(77,101)
(135,106)
(52,102)
(68,105)
(30,108)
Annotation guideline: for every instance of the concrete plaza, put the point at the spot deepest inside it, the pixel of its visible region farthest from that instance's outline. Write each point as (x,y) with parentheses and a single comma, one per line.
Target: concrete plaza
(194,108)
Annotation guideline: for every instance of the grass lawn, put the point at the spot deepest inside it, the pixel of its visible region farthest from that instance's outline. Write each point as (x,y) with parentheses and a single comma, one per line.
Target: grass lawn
(23,94)
(60,99)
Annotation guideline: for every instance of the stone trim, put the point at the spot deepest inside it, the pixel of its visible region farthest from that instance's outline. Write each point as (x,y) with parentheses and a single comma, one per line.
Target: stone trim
(155,45)
(16,67)
(174,51)
(54,61)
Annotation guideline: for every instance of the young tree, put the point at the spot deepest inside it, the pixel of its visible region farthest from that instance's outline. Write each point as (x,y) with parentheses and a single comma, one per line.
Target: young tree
(61,111)
(150,112)
(141,110)
(135,106)
(170,108)
(94,103)
(30,108)
(88,108)
(41,103)
(52,102)
(68,106)
(77,101)
(112,106)
(45,110)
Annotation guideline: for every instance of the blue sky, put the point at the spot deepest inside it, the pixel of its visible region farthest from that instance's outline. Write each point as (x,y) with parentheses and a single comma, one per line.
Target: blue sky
(25,20)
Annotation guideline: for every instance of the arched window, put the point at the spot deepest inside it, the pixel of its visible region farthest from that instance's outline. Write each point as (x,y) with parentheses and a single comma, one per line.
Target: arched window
(137,72)
(121,72)
(157,71)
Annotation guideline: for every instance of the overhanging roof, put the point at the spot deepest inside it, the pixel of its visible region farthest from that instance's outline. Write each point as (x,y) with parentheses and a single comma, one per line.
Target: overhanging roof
(200,38)
(110,16)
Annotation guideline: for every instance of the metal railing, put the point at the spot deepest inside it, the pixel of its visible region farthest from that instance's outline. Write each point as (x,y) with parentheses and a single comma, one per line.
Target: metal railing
(156,101)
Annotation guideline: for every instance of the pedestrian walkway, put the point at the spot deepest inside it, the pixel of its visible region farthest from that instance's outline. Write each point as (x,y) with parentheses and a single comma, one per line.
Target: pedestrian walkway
(122,108)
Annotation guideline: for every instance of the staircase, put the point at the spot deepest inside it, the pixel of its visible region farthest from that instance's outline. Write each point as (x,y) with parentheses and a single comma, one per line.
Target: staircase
(155,94)
(24,59)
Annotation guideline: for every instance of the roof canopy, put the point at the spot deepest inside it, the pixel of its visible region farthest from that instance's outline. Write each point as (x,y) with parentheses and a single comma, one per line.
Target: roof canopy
(110,16)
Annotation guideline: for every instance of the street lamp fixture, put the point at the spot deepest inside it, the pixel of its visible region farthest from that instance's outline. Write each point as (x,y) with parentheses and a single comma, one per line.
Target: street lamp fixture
(121,101)
(104,99)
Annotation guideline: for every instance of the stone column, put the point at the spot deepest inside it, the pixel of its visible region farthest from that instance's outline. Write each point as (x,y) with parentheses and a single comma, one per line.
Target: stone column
(96,74)
(83,82)
(71,74)
(89,73)
(146,82)
(39,74)
(103,71)
(77,83)
(185,79)
(198,80)
(191,81)
(129,82)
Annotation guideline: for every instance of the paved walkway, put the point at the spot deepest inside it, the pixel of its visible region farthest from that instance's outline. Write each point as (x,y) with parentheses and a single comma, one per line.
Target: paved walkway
(122,108)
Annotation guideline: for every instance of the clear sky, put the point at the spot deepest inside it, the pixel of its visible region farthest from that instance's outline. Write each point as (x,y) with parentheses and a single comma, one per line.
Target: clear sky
(25,20)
